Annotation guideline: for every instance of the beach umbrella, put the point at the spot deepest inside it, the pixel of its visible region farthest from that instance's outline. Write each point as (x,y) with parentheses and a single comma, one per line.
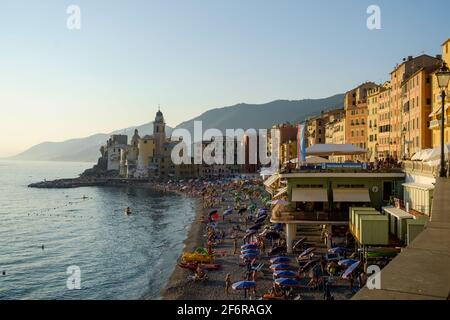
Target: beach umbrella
(248,256)
(212,212)
(249,251)
(350,270)
(284,274)
(215,217)
(243,285)
(287,282)
(299,243)
(261,219)
(249,246)
(280,266)
(307,252)
(309,264)
(347,262)
(227,212)
(256,226)
(337,250)
(280,260)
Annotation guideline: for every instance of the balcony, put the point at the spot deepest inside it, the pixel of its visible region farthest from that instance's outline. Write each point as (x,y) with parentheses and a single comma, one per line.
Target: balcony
(420,168)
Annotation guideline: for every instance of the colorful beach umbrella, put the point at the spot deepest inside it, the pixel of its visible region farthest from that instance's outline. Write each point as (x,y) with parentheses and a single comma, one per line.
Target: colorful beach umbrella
(241,285)
(337,250)
(276,260)
(346,262)
(249,246)
(307,252)
(287,282)
(284,274)
(248,256)
(249,251)
(280,266)
(227,212)
(350,270)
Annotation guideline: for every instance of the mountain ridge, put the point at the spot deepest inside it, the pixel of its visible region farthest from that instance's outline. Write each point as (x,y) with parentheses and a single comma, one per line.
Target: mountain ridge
(238,116)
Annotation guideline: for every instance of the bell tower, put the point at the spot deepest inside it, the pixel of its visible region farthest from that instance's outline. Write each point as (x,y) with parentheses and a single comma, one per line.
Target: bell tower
(159,132)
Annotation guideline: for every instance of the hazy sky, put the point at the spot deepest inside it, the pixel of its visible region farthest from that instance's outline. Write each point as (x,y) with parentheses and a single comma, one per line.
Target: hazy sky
(190,56)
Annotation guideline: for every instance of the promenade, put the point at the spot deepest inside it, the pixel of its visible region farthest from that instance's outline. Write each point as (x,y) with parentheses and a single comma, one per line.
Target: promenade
(422,270)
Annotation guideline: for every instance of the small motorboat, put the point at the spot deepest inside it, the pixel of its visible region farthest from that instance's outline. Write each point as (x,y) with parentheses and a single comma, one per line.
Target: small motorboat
(128,211)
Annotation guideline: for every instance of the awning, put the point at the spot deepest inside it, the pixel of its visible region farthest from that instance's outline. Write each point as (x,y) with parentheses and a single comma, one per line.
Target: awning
(271,180)
(351,195)
(421,186)
(281,192)
(398,213)
(438,109)
(309,195)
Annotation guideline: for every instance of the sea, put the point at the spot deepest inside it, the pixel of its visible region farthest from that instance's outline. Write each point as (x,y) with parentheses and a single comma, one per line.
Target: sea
(79,243)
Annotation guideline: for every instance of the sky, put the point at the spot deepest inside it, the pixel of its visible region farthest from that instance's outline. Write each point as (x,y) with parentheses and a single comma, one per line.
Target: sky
(190,56)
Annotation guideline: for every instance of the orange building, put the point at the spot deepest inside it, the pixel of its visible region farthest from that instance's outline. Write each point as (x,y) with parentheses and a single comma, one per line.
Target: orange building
(401,74)
(385,147)
(417,97)
(356,112)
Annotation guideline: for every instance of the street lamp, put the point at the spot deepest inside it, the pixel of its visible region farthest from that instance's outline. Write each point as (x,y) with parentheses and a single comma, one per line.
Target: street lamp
(443,77)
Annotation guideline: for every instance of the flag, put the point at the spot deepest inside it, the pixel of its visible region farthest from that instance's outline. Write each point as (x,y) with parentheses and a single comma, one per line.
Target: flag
(301,143)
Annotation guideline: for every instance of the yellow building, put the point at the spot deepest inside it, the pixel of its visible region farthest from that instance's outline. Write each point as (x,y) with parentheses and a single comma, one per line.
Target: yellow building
(288,151)
(146,150)
(435,116)
(384,124)
(373,97)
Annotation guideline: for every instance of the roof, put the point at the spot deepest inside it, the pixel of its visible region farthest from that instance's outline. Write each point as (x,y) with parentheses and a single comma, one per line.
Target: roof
(422,186)
(397,212)
(334,149)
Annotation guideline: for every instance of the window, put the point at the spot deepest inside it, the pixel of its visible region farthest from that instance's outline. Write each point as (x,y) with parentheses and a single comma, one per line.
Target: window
(428,101)
(362,132)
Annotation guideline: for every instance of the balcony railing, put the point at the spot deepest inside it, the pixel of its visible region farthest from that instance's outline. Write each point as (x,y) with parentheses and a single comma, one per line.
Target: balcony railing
(421,168)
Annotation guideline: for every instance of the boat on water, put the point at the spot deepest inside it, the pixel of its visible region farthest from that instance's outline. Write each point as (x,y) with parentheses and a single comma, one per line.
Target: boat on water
(128,211)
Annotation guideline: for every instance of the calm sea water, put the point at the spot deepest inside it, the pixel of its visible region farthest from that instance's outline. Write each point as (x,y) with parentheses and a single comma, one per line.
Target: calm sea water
(120,257)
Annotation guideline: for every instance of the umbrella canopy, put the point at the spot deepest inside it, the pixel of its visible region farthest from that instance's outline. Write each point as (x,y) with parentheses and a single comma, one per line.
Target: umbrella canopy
(287,282)
(215,217)
(284,274)
(249,246)
(256,226)
(241,285)
(337,250)
(261,220)
(280,260)
(248,256)
(347,262)
(307,252)
(250,251)
(227,212)
(310,264)
(350,270)
(212,212)
(280,266)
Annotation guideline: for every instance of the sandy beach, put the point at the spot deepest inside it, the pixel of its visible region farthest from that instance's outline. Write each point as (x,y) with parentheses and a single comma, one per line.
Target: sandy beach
(181,286)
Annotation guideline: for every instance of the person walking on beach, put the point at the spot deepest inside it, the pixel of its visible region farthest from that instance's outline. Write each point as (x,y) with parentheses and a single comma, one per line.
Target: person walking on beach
(227,284)
(234,246)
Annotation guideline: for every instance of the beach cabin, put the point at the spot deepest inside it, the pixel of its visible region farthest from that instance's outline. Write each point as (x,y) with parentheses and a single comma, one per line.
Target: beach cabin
(398,220)
(414,227)
(373,230)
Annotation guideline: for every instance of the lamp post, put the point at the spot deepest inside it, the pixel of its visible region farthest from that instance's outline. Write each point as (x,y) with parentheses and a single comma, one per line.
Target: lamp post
(443,77)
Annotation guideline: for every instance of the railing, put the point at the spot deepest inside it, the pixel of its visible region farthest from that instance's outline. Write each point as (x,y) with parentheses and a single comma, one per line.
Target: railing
(287,216)
(419,167)
(437,123)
